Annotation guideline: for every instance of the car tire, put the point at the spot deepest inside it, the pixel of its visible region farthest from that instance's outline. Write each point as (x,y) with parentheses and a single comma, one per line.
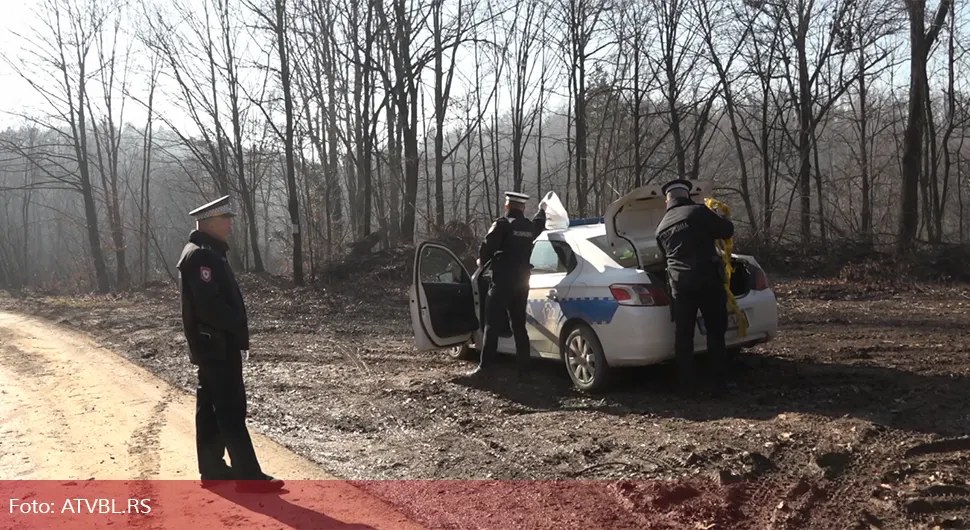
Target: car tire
(580,348)
(464,352)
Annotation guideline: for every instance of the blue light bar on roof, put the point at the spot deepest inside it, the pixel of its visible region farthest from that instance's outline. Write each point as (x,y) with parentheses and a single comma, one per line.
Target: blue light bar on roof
(587,221)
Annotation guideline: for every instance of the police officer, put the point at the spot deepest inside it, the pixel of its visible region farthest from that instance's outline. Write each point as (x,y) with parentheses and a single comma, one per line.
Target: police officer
(508,245)
(695,272)
(217,331)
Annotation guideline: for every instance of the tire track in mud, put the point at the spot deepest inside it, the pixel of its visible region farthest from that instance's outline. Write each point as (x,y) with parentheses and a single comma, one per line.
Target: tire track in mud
(145,441)
(783,489)
(923,485)
(143,448)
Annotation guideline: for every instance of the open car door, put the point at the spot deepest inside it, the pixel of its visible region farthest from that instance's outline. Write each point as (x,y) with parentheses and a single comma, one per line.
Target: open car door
(442,299)
(633,218)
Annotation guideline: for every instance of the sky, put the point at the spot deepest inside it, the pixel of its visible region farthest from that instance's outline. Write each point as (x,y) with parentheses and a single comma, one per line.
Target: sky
(18,97)
(14,91)
(16,94)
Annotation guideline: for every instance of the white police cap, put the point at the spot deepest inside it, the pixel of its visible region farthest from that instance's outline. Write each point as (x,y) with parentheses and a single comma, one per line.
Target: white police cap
(216,208)
(513,196)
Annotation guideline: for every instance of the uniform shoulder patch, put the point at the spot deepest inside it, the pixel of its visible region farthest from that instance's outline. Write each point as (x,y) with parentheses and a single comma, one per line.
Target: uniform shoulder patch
(205,273)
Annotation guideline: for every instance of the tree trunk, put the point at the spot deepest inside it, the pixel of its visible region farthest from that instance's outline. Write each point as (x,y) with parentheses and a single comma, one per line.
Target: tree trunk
(931,188)
(293,204)
(439,115)
(867,229)
(805,127)
(79,127)
(582,186)
(819,194)
(920,45)
(247,196)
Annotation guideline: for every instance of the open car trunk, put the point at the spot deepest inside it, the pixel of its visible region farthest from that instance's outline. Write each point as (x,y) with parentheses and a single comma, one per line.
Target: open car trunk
(632,220)
(742,281)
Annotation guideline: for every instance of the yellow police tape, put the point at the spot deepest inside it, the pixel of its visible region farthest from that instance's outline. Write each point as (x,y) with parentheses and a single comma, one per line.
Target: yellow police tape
(726,246)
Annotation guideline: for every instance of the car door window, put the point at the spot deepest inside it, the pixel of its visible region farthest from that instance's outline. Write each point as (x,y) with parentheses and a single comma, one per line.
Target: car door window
(449,302)
(552,257)
(437,266)
(567,258)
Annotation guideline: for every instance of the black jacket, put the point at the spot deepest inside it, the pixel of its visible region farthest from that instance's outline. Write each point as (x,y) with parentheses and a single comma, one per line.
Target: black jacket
(213,313)
(508,244)
(686,238)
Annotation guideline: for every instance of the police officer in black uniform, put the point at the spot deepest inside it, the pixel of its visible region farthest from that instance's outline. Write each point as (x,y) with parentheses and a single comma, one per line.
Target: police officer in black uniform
(696,274)
(217,331)
(508,245)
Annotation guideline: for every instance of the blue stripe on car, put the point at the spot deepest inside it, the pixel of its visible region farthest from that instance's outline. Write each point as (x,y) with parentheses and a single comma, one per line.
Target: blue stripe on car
(592,309)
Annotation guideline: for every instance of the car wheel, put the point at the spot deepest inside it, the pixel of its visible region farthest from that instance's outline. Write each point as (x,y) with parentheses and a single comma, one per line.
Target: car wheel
(463,352)
(584,359)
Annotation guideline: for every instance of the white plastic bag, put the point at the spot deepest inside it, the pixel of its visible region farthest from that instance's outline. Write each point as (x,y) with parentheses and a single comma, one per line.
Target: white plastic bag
(556,216)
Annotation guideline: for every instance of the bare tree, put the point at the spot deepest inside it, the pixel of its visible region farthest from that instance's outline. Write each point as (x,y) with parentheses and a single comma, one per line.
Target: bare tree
(278,22)
(236,112)
(581,19)
(316,80)
(107,135)
(524,32)
(204,69)
(145,199)
(61,50)
(407,67)
(921,41)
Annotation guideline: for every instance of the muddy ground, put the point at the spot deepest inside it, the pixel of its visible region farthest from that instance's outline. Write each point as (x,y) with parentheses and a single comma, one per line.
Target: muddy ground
(856,416)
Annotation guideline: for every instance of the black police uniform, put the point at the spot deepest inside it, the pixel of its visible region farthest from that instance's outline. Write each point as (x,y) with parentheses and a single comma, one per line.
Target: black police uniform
(217,331)
(686,237)
(508,245)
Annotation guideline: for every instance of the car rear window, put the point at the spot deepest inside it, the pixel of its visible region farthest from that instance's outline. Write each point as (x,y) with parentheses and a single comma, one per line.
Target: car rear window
(622,254)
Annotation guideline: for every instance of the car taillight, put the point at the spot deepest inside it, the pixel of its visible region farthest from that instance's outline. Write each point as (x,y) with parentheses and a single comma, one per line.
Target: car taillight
(639,294)
(760,279)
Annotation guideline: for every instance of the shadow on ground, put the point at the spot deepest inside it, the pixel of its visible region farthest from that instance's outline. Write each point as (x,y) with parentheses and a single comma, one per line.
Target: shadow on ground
(765,388)
(275,506)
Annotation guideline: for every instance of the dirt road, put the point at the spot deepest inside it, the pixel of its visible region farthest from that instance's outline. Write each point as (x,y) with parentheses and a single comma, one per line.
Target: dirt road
(70,410)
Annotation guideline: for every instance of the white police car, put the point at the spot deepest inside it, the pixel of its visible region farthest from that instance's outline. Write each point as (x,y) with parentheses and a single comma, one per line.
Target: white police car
(596,297)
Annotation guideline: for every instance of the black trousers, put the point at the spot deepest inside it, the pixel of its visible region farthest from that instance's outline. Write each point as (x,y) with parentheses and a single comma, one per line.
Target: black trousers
(220,420)
(506,304)
(712,303)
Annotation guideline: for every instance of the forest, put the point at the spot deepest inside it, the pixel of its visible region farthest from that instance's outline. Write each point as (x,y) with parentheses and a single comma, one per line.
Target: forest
(345,127)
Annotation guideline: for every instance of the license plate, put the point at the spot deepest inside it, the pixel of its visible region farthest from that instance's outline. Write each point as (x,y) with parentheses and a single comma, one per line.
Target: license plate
(732,323)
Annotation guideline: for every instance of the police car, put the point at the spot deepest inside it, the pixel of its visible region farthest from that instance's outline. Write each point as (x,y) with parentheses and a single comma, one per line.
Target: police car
(597,297)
